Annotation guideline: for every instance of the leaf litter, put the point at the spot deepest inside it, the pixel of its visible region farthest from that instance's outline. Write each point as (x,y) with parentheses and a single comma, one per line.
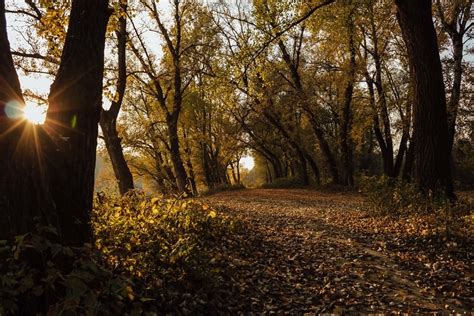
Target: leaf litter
(303,251)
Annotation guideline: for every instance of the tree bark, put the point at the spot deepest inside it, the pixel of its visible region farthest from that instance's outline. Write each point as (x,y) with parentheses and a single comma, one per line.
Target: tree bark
(24,193)
(432,152)
(73,117)
(456,26)
(453,104)
(114,149)
(108,118)
(178,166)
(346,123)
(50,169)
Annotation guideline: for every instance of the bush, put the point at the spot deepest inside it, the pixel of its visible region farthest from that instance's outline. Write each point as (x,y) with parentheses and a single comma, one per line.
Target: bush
(388,196)
(223,188)
(167,244)
(284,183)
(148,253)
(39,275)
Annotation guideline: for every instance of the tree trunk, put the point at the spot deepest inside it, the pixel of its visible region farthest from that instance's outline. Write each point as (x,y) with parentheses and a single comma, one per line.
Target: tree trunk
(346,124)
(453,104)
(21,190)
(108,118)
(56,163)
(238,171)
(325,149)
(178,167)
(114,149)
(192,177)
(314,168)
(432,152)
(75,103)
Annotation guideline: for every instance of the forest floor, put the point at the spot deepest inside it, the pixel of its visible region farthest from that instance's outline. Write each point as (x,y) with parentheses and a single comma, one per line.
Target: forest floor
(313,252)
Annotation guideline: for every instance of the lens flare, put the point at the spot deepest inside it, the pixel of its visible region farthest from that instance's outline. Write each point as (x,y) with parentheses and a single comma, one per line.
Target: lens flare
(14,109)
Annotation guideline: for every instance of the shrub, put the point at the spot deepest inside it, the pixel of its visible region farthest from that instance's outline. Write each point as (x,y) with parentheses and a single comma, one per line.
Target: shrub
(151,235)
(284,183)
(147,253)
(167,244)
(40,275)
(224,187)
(388,196)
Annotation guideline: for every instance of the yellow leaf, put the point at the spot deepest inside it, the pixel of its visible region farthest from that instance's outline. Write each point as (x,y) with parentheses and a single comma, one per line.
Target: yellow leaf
(212,214)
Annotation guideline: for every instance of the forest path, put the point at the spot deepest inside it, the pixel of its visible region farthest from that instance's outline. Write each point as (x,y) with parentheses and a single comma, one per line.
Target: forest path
(320,252)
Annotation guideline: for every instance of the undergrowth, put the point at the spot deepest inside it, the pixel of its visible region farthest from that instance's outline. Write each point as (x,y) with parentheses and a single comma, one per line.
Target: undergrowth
(394,197)
(284,183)
(222,188)
(150,255)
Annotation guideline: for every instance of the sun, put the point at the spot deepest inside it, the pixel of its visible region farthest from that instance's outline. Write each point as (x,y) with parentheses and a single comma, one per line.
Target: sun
(34,113)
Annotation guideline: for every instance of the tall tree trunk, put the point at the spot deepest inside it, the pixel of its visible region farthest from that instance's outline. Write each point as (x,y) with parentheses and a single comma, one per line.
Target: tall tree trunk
(456,21)
(302,172)
(114,149)
(238,171)
(56,163)
(387,153)
(409,161)
(23,189)
(453,104)
(432,152)
(314,168)
(108,118)
(325,148)
(346,123)
(192,177)
(178,167)
(403,148)
(72,119)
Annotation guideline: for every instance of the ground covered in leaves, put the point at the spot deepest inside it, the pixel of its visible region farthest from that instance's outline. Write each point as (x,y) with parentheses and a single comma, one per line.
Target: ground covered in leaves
(303,251)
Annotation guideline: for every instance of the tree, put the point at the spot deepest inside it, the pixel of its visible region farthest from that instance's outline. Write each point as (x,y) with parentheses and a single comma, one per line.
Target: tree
(430,135)
(55,162)
(455,16)
(108,118)
(169,88)
(378,30)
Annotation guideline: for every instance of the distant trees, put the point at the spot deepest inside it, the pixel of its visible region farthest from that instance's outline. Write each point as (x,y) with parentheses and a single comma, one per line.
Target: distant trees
(320,92)
(49,170)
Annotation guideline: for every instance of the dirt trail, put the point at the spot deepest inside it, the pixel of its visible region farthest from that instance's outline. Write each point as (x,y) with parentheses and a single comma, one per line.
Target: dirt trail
(320,252)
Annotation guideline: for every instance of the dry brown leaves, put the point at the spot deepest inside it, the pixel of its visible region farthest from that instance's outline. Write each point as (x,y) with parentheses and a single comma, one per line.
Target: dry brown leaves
(304,251)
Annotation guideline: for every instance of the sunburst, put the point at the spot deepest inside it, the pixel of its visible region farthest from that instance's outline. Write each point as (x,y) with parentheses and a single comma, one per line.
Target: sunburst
(34,113)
